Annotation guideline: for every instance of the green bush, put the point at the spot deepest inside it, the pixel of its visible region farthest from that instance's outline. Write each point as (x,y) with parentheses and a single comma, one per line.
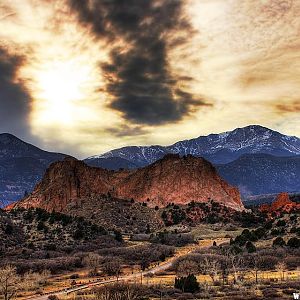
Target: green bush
(187,284)
(8,229)
(260,232)
(281,223)
(118,236)
(250,247)
(279,242)
(293,242)
(40,226)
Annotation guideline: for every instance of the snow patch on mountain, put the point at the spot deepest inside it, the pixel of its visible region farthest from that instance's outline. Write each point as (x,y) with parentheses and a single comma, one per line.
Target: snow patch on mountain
(218,148)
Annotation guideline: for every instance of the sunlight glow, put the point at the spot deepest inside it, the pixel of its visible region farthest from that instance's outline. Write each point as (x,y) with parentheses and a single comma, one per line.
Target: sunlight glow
(60,86)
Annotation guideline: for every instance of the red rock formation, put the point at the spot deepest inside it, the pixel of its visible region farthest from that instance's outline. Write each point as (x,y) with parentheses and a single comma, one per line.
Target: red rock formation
(282,203)
(171,179)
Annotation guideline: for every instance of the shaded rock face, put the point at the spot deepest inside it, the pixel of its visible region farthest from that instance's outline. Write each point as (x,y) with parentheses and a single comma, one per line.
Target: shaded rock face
(281,204)
(172,179)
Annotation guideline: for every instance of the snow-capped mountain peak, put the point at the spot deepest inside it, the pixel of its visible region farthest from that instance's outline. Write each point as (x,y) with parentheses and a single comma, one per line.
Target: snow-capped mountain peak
(218,148)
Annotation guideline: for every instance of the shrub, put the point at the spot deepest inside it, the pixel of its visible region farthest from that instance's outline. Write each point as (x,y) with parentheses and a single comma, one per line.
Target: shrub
(9,229)
(292,262)
(250,247)
(268,225)
(119,291)
(50,247)
(172,239)
(240,240)
(281,223)
(293,242)
(260,232)
(40,226)
(74,276)
(118,236)
(78,234)
(275,232)
(279,242)
(53,297)
(270,293)
(187,284)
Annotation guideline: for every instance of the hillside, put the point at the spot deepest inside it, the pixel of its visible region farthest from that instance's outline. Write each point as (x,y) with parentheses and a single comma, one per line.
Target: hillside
(22,165)
(40,230)
(71,180)
(258,174)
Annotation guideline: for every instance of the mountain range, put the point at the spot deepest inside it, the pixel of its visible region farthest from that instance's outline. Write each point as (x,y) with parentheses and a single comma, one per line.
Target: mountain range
(256,159)
(217,148)
(258,174)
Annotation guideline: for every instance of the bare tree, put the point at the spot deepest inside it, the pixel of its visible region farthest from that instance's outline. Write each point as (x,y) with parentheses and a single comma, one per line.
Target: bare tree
(33,280)
(281,267)
(30,281)
(113,268)
(187,267)
(44,276)
(9,282)
(92,261)
(211,266)
(118,292)
(254,264)
(235,264)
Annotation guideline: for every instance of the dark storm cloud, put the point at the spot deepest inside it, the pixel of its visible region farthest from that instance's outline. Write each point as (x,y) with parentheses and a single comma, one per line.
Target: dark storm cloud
(138,76)
(14,99)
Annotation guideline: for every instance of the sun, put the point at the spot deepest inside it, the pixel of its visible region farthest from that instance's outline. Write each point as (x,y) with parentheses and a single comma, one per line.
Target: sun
(60,88)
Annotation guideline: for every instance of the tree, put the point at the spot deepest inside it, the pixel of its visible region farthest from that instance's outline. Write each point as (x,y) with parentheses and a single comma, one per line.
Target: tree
(254,264)
(118,236)
(211,266)
(235,263)
(9,282)
(281,223)
(281,267)
(250,247)
(144,263)
(293,242)
(187,284)
(186,267)
(278,242)
(119,291)
(92,261)
(113,268)
(44,276)
(30,281)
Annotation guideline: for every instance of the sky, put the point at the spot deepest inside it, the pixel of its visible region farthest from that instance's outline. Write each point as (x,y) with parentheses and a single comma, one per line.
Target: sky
(87,76)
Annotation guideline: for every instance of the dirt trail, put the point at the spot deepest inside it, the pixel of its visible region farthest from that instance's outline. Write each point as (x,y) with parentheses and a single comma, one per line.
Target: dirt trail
(153,270)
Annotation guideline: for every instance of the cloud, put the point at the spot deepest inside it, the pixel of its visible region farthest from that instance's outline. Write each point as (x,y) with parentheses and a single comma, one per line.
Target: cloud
(139,80)
(127,131)
(14,98)
(287,107)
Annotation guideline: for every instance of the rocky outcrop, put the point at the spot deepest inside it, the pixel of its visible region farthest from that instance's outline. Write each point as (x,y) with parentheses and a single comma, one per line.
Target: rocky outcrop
(172,179)
(281,204)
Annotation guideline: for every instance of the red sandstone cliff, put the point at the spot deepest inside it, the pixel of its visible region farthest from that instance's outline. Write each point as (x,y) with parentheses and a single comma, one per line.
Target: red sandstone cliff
(282,203)
(171,179)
